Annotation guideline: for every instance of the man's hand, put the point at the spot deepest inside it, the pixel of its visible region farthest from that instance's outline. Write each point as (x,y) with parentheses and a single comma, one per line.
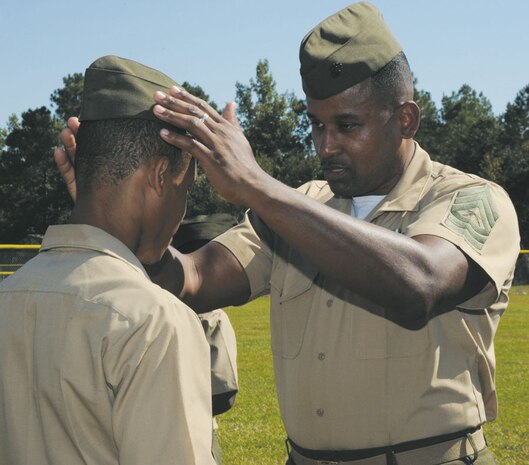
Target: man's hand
(65,158)
(218,144)
(229,114)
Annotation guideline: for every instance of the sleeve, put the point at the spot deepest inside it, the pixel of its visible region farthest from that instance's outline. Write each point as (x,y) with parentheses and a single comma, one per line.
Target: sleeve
(251,243)
(481,221)
(221,339)
(254,244)
(160,374)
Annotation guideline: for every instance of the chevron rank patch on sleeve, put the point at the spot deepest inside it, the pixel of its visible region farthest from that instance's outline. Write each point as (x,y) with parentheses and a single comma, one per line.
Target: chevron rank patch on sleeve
(472,215)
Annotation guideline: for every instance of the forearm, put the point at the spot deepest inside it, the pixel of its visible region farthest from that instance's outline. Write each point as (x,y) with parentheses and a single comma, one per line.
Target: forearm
(205,280)
(363,257)
(214,278)
(168,273)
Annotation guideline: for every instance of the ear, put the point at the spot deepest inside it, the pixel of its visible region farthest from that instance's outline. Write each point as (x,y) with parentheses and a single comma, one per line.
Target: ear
(410,119)
(158,173)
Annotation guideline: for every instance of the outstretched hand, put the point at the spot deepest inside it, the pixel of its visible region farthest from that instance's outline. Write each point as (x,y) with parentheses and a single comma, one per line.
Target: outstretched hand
(217,143)
(65,157)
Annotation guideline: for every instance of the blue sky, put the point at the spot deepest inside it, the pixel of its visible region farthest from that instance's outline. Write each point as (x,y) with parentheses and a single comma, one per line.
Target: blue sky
(216,43)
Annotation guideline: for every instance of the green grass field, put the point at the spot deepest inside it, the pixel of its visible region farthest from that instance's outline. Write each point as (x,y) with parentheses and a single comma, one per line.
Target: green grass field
(252,432)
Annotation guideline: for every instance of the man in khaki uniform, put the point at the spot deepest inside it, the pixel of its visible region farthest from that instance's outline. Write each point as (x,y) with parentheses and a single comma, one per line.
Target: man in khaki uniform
(387,280)
(98,365)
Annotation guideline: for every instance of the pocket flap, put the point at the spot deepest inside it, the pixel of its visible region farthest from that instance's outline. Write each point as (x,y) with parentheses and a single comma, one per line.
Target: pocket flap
(294,278)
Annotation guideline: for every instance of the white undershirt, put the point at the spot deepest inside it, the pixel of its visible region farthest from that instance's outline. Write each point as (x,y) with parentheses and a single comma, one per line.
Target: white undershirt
(362,206)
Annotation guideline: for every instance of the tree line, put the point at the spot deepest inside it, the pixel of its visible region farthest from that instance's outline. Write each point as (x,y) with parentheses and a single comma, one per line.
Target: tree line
(463,132)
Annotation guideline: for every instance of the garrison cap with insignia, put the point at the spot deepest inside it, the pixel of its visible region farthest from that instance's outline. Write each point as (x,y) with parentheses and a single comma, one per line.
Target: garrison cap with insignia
(115,87)
(345,49)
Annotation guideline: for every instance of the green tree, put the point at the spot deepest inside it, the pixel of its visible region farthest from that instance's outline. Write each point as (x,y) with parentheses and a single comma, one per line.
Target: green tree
(12,124)
(428,135)
(469,131)
(203,200)
(32,195)
(3,135)
(515,121)
(514,146)
(67,99)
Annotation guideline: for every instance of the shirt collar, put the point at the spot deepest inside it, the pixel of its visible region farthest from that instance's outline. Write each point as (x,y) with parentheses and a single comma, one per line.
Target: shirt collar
(404,196)
(83,236)
(411,186)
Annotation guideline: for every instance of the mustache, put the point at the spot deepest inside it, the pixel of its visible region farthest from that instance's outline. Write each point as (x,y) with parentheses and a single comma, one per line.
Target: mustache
(327,164)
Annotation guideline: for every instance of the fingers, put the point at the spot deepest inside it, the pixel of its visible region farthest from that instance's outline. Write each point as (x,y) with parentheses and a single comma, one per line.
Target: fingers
(73,124)
(67,170)
(200,105)
(187,144)
(187,112)
(65,158)
(197,126)
(229,114)
(67,137)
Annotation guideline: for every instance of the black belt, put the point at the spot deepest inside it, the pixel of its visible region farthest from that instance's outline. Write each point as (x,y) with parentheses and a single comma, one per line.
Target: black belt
(421,452)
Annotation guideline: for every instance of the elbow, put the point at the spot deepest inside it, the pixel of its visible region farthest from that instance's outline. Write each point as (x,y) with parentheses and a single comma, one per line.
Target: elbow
(416,308)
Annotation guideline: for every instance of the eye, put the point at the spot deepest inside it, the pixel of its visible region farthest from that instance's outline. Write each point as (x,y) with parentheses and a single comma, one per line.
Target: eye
(316,125)
(348,126)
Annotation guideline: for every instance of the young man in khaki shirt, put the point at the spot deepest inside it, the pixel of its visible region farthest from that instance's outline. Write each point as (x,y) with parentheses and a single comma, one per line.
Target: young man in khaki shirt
(98,365)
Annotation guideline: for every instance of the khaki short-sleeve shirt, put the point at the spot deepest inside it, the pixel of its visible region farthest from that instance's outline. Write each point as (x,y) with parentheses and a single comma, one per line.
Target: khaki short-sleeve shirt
(97,364)
(348,378)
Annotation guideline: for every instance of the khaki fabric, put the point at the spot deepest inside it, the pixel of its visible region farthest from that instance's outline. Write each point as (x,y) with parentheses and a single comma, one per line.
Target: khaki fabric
(348,378)
(223,345)
(98,365)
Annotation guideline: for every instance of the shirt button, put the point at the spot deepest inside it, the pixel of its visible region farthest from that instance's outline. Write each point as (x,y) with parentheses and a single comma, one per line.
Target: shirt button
(321,356)
(320,412)
(329,303)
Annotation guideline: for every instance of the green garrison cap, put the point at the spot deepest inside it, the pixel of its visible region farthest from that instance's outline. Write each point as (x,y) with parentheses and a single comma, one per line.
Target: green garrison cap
(115,87)
(202,228)
(345,49)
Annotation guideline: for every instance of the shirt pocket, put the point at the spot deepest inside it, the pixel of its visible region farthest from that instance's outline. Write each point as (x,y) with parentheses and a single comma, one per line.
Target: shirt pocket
(376,337)
(292,294)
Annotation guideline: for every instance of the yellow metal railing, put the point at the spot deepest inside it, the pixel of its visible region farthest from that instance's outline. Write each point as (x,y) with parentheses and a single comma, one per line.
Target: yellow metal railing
(36,246)
(19,246)
(14,265)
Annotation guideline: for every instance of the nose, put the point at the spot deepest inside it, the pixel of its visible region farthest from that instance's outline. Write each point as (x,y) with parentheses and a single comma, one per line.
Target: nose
(326,143)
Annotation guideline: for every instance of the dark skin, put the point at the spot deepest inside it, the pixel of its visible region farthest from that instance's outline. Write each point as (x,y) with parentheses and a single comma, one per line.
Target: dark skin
(365,145)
